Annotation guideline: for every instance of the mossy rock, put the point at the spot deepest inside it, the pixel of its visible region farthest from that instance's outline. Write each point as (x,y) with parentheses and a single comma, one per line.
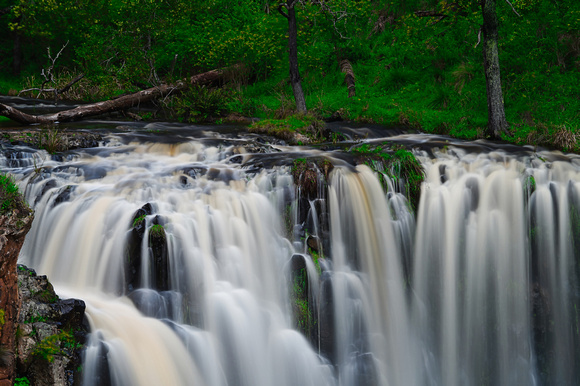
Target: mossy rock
(398,163)
(297,129)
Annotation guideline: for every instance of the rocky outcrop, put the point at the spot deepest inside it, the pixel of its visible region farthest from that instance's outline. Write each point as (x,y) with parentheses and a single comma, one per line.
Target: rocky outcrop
(156,262)
(50,335)
(52,139)
(13,229)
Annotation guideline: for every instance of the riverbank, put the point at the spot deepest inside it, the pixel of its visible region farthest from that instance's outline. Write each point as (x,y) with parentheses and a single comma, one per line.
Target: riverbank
(455,106)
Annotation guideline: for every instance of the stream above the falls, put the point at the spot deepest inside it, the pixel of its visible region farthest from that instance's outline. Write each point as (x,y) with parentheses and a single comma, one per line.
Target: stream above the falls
(203,261)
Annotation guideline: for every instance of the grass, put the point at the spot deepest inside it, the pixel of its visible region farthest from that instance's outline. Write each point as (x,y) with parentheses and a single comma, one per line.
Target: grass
(297,129)
(542,105)
(9,85)
(10,198)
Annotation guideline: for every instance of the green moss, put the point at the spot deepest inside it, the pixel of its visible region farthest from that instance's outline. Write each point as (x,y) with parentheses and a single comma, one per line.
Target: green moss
(2,318)
(530,184)
(398,163)
(47,296)
(139,220)
(22,381)
(36,319)
(300,305)
(55,345)
(157,230)
(289,128)
(157,236)
(315,258)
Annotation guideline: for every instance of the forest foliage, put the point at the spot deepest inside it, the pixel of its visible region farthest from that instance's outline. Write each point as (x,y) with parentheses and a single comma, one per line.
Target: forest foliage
(416,62)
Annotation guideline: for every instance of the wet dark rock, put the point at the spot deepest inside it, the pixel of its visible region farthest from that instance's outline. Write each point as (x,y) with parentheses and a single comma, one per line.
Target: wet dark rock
(52,333)
(313,243)
(69,312)
(83,140)
(542,330)
(93,173)
(236,159)
(194,171)
(361,370)
(159,305)
(473,189)
(157,249)
(304,307)
(103,373)
(50,184)
(327,343)
(64,194)
(133,248)
(442,173)
(18,158)
(159,257)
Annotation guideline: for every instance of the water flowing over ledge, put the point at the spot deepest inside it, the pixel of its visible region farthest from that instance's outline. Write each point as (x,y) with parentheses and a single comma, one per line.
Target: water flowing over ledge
(254,280)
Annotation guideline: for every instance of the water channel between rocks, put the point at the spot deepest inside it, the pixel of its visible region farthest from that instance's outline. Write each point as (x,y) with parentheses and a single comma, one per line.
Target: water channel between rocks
(201,262)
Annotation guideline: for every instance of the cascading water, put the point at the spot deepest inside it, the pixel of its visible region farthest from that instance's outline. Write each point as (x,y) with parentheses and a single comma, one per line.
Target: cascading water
(482,288)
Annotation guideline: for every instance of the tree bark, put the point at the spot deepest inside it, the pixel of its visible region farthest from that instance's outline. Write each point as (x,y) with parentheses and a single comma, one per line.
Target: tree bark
(346,69)
(497,122)
(123,103)
(293,55)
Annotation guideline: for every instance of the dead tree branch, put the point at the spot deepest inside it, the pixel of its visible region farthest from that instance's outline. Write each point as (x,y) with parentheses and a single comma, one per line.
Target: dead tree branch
(513,9)
(56,91)
(120,104)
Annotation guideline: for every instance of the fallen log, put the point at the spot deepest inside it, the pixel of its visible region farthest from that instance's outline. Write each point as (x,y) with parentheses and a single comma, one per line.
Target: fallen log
(119,104)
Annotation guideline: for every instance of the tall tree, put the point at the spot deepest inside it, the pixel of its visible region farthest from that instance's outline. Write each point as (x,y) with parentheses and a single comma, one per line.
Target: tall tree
(497,122)
(290,14)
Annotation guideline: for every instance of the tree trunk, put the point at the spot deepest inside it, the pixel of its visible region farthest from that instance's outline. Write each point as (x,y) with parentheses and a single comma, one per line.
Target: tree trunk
(293,57)
(123,103)
(497,123)
(346,69)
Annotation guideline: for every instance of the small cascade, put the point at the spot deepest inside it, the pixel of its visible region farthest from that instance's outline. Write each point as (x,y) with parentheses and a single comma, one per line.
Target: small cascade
(374,344)
(495,270)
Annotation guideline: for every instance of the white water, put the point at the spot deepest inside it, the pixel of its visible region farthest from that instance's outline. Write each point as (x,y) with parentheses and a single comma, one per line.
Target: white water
(452,298)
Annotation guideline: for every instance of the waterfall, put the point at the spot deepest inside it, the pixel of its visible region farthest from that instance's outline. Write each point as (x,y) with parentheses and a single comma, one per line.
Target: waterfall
(224,318)
(479,287)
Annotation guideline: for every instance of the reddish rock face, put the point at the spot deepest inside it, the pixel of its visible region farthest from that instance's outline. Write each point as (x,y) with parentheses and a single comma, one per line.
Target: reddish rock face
(13,229)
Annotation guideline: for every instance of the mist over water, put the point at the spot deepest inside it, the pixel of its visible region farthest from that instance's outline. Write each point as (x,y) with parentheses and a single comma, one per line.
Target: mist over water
(479,287)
